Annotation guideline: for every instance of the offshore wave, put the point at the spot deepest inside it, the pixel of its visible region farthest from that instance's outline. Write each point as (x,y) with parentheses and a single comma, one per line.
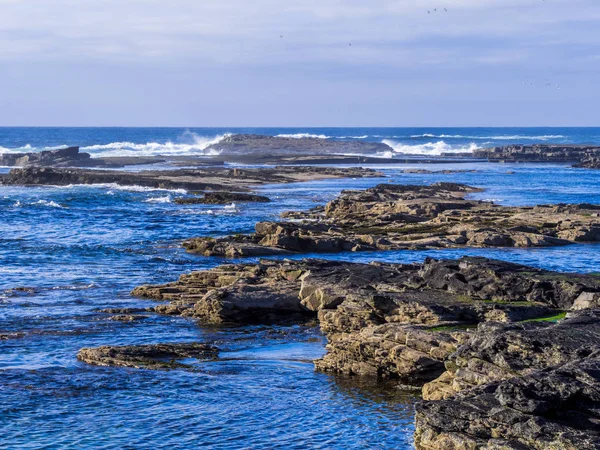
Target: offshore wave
(198,145)
(304,136)
(429,148)
(496,138)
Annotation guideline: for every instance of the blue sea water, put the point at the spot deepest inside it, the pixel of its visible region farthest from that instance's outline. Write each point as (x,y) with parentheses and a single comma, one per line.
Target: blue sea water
(180,141)
(85,247)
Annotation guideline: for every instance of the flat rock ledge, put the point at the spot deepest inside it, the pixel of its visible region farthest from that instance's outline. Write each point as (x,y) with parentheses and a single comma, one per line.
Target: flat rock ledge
(152,356)
(506,355)
(221,198)
(396,217)
(199,179)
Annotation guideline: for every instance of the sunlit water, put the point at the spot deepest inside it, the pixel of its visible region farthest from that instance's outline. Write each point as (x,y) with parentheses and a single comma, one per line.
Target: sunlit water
(84,248)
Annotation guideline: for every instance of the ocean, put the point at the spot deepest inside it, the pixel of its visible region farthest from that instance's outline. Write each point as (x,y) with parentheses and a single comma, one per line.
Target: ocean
(185,141)
(82,248)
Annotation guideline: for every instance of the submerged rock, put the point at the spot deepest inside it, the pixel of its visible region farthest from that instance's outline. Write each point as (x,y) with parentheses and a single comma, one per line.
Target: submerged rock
(153,356)
(393,217)
(221,198)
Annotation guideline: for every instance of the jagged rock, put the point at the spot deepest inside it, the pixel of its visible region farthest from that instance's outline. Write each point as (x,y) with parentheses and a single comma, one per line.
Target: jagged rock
(221,198)
(153,356)
(393,217)
(390,320)
(590,162)
(552,408)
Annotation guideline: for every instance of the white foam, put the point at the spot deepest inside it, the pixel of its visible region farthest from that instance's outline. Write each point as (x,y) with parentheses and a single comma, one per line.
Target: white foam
(231,207)
(303,136)
(50,203)
(194,145)
(429,148)
(113,186)
(496,138)
(165,199)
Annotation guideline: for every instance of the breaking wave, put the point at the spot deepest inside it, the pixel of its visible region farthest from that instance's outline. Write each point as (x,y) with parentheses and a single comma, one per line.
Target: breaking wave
(429,148)
(496,138)
(193,145)
(165,199)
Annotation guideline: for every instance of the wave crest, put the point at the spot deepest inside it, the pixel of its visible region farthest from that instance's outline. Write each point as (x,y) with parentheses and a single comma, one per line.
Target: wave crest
(429,148)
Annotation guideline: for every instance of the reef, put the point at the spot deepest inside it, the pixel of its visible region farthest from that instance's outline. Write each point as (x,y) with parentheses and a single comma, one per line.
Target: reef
(394,217)
(539,153)
(202,179)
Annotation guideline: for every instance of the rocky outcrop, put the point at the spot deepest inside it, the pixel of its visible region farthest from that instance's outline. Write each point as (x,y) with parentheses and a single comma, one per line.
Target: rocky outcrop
(538,153)
(393,217)
(590,162)
(221,198)
(275,145)
(212,179)
(152,356)
(500,365)
(66,157)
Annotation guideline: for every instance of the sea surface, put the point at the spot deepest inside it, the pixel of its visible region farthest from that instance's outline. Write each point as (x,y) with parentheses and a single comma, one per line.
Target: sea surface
(185,141)
(81,248)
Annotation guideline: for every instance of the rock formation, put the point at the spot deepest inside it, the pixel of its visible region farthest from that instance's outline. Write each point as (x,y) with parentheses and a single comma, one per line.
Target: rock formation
(217,179)
(66,157)
(274,145)
(221,198)
(392,217)
(508,356)
(153,356)
(538,153)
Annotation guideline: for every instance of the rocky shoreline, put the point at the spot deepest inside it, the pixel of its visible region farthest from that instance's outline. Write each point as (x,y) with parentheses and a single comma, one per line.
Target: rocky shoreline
(395,217)
(275,150)
(201,179)
(507,356)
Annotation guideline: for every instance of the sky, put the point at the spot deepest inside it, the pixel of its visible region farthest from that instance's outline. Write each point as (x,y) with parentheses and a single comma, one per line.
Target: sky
(299,63)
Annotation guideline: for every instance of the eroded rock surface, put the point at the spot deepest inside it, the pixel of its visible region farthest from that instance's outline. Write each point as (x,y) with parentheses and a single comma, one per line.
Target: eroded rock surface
(152,356)
(65,157)
(393,217)
(538,153)
(500,365)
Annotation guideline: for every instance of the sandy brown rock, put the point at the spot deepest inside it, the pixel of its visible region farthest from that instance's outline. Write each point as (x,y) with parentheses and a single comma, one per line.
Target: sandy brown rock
(152,356)
(393,217)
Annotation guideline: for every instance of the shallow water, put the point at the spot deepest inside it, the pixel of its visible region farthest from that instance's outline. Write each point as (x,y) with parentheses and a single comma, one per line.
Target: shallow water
(82,248)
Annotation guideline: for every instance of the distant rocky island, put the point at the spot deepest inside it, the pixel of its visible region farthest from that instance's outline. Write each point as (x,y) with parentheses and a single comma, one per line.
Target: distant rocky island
(262,149)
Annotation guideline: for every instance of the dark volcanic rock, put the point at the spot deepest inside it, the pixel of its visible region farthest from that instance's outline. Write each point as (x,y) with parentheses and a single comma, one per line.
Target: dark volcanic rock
(590,162)
(216,179)
(553,408)
(153,356)
(271,145)
(539,153)
(221,198)
(392,217)
(66,157)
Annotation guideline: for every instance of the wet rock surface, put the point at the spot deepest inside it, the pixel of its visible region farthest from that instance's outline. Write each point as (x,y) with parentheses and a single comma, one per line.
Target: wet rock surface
(393,217)
(215,179)
(221,198)
(507,355)
(152,356)
(590,162)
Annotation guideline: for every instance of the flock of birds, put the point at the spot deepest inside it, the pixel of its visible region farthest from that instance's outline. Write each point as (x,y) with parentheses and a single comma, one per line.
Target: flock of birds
(547,83)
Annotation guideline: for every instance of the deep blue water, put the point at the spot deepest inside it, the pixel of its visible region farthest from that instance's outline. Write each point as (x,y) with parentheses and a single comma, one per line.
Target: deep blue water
(152,141)
(84,248)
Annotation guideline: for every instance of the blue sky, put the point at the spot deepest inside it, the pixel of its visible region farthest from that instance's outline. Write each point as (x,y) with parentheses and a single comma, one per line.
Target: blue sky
(223,63)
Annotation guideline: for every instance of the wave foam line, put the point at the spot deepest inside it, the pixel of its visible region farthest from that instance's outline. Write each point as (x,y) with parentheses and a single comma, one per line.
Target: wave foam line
(429,148)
